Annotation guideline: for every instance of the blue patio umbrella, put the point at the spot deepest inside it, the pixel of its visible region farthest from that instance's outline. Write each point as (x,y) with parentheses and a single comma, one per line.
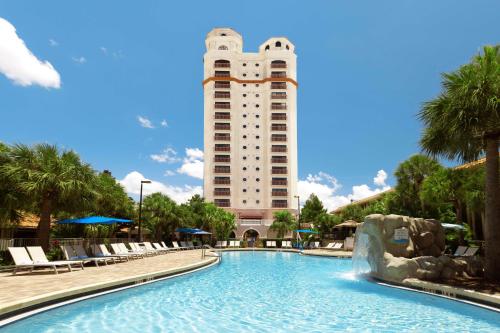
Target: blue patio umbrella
(307,231)
(192,231)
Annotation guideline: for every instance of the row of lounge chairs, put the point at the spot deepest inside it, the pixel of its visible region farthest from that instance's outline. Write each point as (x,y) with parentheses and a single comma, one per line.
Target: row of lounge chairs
(33,257)
(224,244)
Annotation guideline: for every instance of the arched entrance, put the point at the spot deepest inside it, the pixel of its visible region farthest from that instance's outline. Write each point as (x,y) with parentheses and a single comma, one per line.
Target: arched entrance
(251,236)
(232,235)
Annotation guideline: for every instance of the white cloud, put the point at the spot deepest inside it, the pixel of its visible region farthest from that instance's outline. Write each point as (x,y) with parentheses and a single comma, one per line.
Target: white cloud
(164,123)
(79,60)
(180,194)
(325,187)
(193,163)
(20,65)
(168,155)
(380,179)
(104,50)
(169,173)
(145,122)
(53,42)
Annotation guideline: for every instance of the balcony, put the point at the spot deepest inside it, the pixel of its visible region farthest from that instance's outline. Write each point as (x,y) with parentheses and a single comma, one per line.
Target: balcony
(222,137)
(222,94)
(279,171)
(277,74)
(222,64)
(278,64)
(277,85)
(278,106)
(278,127)
(222,192)
(222,147)
(222,115)
(222,202)
(278,137)
(222,105)
(278,149)
(222,85)
(280,204)
(222,169)
(223,127)
(279,159)
(279,193)
(279,181)
(222,181)
(278,95)
(222,74)
(278,116)
(222,158)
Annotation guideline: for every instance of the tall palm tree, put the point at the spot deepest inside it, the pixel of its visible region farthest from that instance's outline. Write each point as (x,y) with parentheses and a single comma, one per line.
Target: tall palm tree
(51,180)
(464,123)
(160,214)
(283,221)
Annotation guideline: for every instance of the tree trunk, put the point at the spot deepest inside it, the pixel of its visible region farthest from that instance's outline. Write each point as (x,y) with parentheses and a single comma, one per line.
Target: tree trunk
(492,223)
(44,224)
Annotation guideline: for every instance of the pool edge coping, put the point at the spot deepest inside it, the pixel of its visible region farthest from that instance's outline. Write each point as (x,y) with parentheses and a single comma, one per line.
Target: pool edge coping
(17,311)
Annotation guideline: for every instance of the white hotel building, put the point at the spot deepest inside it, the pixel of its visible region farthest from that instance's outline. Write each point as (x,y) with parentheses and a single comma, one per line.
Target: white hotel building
(250,138)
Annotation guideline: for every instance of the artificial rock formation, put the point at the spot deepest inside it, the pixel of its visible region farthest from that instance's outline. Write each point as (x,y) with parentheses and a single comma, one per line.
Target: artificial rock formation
(391,256)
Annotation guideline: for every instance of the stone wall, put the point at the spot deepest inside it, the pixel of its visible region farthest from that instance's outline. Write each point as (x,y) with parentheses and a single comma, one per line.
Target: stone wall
(420,255)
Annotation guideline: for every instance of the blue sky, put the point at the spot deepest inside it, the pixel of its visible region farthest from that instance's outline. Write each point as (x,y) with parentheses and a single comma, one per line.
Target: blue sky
(364,69)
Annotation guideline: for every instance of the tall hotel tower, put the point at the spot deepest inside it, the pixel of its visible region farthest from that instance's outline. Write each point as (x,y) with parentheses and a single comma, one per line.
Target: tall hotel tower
(250,129)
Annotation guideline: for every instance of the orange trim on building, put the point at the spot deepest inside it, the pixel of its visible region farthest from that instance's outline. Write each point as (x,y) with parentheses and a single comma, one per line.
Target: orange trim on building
(230,78)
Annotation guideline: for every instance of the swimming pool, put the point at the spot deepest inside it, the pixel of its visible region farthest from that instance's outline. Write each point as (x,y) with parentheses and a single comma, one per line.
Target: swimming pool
(263,292)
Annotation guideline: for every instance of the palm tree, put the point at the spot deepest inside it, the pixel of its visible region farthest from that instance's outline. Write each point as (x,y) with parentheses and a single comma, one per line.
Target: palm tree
(160,214)
(51,180)
(283,222)
(463,123)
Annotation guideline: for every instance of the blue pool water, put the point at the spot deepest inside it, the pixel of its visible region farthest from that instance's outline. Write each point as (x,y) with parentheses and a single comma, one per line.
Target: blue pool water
(264,292)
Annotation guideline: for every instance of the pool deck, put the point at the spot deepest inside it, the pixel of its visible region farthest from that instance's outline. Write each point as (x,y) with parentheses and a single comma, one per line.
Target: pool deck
(24,291)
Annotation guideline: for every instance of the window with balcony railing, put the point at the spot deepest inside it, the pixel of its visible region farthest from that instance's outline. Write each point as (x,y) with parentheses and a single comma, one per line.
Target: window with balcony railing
(278,127)
(279,159)
(278,106)
(222,136)
(222,147)
(278,95)
(222,94)
(278,149)
(278,116)
(278,137)
(279,181)
(222,169)
(222,191)
(277,85)
(222,202)
(279,192)
(222,115)
(278,64)
(277,74)
(222,158)
(279,170)
(222,74)
(222,84)
(280,203)
(222,181)
(222,126)
(222,105)
(222,64)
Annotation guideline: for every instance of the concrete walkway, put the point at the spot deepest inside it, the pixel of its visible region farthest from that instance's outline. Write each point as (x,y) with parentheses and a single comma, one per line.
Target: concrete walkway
(24,290)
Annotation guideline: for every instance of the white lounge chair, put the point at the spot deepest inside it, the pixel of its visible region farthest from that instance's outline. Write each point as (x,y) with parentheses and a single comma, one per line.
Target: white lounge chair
(22,260)
(286,244)
(237,243)
(218,244)
(158,247)
(337,246)
(471,251)
(176,246)
(78,253)
(102,251)
(138,249)
(270,244)
(170,248)
(39,257)
(460,251)
(151,249)
(121,248)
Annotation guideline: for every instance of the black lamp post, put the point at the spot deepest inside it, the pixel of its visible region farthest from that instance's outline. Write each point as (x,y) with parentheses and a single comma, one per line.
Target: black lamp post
(140,209)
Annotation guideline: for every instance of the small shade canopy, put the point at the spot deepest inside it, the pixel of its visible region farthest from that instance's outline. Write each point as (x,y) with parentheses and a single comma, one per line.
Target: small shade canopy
(348,224)
(307,231)
(453,226)
(192,231)
(94,220)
